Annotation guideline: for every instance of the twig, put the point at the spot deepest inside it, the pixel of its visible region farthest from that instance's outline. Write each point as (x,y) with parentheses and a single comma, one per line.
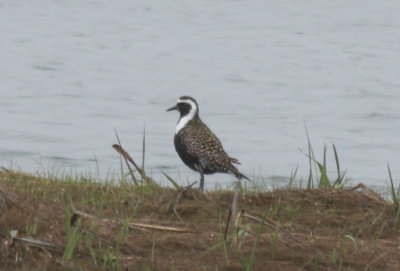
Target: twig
(368,191)
(127,157)
(178,195)
(159,227)
(234,205)
(227,224)
(134,225)
(5,169)
(233,215)
(38,243)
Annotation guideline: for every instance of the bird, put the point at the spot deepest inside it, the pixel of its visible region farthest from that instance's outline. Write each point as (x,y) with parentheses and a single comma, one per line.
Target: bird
(197,146)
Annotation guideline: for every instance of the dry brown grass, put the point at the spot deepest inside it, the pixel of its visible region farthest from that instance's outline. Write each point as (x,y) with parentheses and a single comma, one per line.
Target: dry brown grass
(151,228)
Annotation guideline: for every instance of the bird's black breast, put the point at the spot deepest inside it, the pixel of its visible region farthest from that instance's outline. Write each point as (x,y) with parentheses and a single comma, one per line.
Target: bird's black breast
(185,156)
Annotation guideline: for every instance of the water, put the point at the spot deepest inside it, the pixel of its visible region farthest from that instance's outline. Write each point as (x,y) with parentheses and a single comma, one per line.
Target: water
(73,71)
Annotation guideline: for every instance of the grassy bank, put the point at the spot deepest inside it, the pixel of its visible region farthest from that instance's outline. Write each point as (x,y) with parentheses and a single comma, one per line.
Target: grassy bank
(78,224)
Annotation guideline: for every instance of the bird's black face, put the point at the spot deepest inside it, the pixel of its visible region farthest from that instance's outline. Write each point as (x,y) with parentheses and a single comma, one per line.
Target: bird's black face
(185,106)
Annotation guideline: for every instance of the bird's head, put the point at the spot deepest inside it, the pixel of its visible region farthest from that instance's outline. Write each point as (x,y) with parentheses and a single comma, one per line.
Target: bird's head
(187,107)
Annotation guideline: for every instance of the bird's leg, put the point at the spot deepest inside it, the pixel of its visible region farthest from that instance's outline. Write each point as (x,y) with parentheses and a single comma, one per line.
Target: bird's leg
(201,181)
(200,170)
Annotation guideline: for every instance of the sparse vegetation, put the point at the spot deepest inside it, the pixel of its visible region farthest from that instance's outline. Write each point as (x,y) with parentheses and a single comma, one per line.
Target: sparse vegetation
(57,224)
(50,223)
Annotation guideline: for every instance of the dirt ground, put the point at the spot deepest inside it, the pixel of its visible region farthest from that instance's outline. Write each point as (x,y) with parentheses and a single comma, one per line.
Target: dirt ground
(49,224)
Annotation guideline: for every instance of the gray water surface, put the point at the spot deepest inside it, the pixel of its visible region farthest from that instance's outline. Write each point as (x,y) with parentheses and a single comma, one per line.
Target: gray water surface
(73,71)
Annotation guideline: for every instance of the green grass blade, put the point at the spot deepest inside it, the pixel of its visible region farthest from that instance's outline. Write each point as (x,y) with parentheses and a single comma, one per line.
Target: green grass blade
(310,176)
(323,181)
(73,235)
(172,181)
(293,176)
(340,181)
(395,198)
(339,178)
(143,147)
(251,257)
(72,243)
(310,183)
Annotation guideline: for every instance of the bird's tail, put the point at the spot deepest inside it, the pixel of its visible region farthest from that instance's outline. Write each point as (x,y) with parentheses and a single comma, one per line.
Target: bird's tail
(234,160)
(240,175)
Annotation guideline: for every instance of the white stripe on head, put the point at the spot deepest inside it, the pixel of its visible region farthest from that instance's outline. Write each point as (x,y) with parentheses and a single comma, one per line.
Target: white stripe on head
(185,119)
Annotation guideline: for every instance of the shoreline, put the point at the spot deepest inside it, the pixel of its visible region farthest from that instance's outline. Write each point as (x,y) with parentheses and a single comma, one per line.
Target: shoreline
(69,223)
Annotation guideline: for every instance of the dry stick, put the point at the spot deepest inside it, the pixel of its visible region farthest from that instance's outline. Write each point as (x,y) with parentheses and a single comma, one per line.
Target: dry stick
(233,217)
(367,190)
(178,216)
(38,243)
(29,241)
(44,245)
(77,214)
(178,196)
(235,203)
(227,224)
(235,209)
(127,157)
(35,243)
(126,161)
(159,227)
(135,225)
(5,169)
(371,194)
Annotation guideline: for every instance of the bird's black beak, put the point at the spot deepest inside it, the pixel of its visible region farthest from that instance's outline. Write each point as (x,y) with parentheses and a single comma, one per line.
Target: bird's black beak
(172,108)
